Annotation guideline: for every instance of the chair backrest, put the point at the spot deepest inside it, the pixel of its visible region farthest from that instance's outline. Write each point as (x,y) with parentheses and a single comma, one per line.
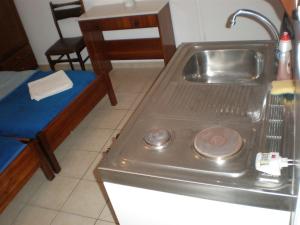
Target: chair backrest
(62,11)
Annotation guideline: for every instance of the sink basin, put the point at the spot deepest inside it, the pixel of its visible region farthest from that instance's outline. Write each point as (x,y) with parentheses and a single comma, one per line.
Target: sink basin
(224,65)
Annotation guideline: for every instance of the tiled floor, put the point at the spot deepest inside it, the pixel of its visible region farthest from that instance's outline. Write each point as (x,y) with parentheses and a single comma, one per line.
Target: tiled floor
(74,197)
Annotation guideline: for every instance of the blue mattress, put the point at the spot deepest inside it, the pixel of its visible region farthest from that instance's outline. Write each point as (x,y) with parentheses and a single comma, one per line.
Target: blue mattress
(9,150)
(22,117)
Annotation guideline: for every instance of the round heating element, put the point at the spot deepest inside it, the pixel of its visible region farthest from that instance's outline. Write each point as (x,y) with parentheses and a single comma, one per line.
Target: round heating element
(218,142)
(157,138)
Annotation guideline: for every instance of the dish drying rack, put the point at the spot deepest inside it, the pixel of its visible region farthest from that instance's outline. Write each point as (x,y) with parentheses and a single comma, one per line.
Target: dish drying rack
(278,138)
(275,121)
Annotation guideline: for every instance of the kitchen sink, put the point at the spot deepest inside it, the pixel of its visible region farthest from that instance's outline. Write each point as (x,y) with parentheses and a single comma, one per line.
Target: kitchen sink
(221,62)
(224,65)
(224,103)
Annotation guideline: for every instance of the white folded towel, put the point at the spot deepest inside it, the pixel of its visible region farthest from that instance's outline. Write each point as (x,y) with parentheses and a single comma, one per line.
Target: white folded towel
(49,85)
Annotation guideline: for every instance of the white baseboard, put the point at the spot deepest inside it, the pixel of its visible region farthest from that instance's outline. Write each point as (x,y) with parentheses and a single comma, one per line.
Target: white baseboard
(137,64)
(115,64)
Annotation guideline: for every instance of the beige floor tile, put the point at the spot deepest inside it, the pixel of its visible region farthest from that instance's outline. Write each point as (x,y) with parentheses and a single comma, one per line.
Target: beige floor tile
(85,123)
(148,86)
(110,140)
(138,100)
(115,85)
(86,200)
(31,187)
(71,219)
(103,104)
(115,82)
(31,215)
(125,119)
(114,77)
(125,101)
(108,119)
(153,74)
(101,222)
(75,163)
(88,139)
(108,215)
(8,216)
(135,87)
(61,151)
(90,175)
(133,80)
(53,194)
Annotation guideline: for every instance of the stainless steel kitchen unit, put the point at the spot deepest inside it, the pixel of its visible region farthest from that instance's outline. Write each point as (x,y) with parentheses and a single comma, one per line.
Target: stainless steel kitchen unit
(187,155)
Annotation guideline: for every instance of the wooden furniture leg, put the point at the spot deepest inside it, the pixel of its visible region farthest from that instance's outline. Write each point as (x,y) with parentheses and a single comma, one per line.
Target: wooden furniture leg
(50,155)
(80,61)
(45,165)
(166,33)
(70,62)
(94,41)
(51,64)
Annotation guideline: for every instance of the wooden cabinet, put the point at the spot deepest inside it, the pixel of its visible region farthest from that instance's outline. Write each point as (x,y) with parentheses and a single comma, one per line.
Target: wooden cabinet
(15,51)
(116,17)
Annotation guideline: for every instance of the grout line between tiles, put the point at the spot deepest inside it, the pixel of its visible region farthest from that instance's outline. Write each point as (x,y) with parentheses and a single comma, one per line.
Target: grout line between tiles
(86,170)
(98,218)
(57,212)
(14,220)
(78,181)
(74,214)
(81,179)
(37,206)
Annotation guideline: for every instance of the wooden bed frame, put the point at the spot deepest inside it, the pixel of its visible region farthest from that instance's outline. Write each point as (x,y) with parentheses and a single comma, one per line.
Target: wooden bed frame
(15,176)
(15,58)
(17,55)
(74,113)
(61,126)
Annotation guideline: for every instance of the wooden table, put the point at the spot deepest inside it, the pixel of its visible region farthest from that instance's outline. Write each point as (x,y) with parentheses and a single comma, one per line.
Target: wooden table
(144,14)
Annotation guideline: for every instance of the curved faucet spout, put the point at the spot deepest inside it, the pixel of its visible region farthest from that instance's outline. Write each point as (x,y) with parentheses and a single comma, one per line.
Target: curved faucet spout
(256,15)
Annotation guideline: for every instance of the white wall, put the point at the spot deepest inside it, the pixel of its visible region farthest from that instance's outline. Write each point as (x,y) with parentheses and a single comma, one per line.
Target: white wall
(193,20)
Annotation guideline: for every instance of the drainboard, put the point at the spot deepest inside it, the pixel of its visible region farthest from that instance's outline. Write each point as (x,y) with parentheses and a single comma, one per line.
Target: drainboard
(217,101)
(275,125)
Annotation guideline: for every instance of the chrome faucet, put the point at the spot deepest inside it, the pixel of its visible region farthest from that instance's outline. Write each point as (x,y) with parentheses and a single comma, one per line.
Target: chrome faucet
(256,15)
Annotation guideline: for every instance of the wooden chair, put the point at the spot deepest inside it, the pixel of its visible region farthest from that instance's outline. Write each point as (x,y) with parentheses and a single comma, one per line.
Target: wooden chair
(63,47)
